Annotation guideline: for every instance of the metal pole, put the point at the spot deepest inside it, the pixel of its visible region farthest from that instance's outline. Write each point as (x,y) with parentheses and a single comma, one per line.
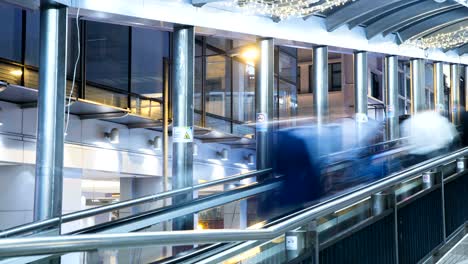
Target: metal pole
(466,87)
(264,101)
(455,93)
(165,150)
(417,85)
(320,79)
(439,88)
(182,130)
(360,89)
(391,87)
(51,111)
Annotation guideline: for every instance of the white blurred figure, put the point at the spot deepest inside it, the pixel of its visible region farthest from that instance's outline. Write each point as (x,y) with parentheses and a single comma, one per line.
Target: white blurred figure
(428,132)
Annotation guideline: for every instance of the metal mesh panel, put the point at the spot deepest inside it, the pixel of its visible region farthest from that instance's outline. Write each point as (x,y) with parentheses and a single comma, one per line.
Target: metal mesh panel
(373,244)
(420,227)
(456,211)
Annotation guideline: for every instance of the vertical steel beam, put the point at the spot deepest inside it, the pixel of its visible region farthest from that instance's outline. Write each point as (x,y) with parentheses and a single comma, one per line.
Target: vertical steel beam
(466,87)
(439,88)
(417,86)
(360,86)
(264,101)
(320,83)
(455,93)
(182,81)
(391,98)
(51,111)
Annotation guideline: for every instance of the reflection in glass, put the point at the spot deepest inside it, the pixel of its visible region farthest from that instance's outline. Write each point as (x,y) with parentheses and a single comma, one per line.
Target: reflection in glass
(10,32)
(218,100)
(149,47)
(107,55)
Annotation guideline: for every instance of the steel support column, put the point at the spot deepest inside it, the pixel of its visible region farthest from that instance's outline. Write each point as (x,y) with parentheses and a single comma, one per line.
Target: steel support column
(455,93)
(439,88)
(466,87)
(417,86)
(182,81)
(51,111)
(360,86)
(391,98)
(264,76)
(320,83)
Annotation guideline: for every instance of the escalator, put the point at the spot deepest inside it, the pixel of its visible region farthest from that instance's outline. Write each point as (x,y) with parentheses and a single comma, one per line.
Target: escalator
(254,251)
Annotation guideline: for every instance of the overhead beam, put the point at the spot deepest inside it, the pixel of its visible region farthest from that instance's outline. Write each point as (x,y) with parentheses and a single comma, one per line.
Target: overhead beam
(355,9)
(462,50)
(407,16)
(434,23)
(200,3)
(385,9)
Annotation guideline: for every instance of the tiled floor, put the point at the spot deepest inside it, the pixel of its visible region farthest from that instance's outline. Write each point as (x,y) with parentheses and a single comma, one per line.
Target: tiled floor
(458,254)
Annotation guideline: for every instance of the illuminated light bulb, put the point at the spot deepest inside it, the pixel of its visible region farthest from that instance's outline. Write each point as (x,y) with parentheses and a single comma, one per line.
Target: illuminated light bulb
(16,73)
(250,55)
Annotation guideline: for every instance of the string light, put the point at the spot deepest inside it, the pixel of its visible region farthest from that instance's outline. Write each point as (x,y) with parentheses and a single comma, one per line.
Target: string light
(447,40)
(284,9)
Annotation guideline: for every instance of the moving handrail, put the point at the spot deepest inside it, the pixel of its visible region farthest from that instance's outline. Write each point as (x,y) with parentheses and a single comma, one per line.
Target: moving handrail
(11,247)
(119,205)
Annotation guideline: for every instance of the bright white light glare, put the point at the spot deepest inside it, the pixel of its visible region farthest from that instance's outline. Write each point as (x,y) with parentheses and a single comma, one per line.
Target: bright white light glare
(427,132)
(250,55)
(16,73)
(1,124)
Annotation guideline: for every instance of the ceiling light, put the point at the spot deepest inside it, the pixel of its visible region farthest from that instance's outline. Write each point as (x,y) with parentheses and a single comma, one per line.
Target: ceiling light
(223,154)
(113,136)
(155,143)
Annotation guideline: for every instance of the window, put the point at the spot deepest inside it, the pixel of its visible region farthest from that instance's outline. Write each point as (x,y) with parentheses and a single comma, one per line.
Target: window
(334,77)
(376,86)
(149,47)
(10,32)
(107,58)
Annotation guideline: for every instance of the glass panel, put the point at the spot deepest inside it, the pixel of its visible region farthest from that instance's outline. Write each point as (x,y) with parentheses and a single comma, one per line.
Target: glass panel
(334,77)
(244,91)
(72,52)
(146,107)
(10,32)
(149,47)
(287,67)
(32,38)
(217,90)
(10,73)
(287,102)
(218,124)
(107,57)
(217,43)
(197,96)
(106,97)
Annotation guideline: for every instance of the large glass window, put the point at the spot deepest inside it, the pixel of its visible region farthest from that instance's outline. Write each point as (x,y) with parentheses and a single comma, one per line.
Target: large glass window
(218,99)
(32,38)
(107,55)
(149,47)
(10,32)
(334,77)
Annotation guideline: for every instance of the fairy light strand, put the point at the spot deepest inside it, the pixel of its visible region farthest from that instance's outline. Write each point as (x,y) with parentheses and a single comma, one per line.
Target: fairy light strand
(447,40)
(284,9)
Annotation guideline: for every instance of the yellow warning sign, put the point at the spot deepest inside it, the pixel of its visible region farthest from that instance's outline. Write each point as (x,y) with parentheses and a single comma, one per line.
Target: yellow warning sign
(182,134)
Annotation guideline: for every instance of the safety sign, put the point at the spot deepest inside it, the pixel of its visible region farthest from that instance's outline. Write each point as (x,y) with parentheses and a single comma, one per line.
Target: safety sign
(182,134)
(262,122)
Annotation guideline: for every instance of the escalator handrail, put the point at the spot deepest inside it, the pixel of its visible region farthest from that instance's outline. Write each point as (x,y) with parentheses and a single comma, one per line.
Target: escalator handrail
(11,247)
(128,203)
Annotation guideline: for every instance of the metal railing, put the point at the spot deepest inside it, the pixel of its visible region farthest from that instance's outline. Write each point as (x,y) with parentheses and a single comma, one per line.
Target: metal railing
(119,205)
(61,244)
